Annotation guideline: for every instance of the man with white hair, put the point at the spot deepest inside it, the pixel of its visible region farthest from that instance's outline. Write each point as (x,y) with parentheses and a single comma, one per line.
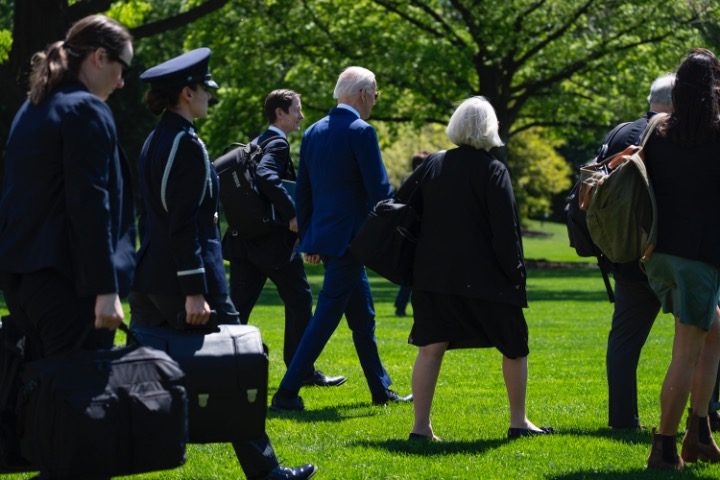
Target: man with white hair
(636,305)
(340,177)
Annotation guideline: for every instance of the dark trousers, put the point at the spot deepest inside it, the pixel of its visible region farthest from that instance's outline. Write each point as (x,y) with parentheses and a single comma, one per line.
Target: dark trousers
(247,280)
(346,291)
(257,457)
(636,308)
(44,306)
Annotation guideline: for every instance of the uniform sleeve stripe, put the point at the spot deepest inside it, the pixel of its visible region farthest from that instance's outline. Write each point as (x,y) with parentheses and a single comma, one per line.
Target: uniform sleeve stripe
(168,167)
(195,271)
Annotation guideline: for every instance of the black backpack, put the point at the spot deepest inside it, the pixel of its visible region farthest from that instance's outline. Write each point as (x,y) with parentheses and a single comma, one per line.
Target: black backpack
(248,212)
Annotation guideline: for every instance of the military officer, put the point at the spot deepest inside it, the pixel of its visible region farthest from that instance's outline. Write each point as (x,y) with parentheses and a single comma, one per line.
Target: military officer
(180,274)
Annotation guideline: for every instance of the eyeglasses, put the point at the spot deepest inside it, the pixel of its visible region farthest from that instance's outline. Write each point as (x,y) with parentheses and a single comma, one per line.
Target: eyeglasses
(377,92)
(116,58)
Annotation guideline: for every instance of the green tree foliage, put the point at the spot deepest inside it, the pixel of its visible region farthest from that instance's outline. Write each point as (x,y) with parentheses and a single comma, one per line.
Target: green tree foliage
(538,172)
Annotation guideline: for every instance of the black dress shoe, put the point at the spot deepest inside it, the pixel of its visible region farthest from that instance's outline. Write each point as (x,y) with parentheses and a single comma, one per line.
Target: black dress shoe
(514,433)
(319,379)
(285,402)
(296,473)
(392,396)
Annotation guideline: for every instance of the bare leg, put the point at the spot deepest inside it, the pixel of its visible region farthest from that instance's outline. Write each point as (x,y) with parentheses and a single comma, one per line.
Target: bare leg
(424,378)
(515,373)
(687,345)
(705,373)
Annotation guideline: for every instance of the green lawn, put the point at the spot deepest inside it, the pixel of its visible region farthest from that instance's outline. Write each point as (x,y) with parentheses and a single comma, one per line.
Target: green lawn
(348,438)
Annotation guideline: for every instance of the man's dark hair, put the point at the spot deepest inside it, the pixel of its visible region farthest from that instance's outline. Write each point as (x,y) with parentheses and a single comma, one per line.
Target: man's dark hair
(282,98)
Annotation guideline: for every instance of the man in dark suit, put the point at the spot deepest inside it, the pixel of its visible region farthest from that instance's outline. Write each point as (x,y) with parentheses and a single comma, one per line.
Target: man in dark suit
(340,177)
(636,305)
(273,256)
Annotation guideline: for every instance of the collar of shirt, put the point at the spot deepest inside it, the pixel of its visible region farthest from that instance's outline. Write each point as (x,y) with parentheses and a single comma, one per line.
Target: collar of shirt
(348,107)
(278,131)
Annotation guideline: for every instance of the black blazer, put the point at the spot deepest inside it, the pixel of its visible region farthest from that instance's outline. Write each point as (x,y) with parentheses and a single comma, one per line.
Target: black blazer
(686,182)
(470,242)
(65,203)
(275,249)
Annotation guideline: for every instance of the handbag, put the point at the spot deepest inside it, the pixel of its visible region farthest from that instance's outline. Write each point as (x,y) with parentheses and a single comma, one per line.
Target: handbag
(386,242)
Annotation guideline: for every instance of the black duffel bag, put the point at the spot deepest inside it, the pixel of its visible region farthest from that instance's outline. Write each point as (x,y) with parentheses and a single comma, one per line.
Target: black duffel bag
(386,241)
(103,413)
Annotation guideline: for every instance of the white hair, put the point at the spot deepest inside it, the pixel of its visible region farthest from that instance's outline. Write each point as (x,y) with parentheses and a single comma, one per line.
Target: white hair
(352,80)
(474,123)
(661,90)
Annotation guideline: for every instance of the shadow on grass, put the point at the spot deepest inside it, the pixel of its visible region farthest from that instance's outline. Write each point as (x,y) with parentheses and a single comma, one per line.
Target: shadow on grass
(632,437)
(337,413)
(631,475)
(446,447)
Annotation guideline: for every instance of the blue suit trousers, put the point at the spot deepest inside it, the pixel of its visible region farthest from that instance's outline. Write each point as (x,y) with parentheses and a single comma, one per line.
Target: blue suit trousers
(345,290)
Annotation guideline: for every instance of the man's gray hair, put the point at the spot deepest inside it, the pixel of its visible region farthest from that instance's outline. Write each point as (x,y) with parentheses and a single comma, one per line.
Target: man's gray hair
(352,80)
(661,90)
(474,123)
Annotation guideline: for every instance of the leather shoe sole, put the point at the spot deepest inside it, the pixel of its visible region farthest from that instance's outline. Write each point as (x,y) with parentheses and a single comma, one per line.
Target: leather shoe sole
(514,433)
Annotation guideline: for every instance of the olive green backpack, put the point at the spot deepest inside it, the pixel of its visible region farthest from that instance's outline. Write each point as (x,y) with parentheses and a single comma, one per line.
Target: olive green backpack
(620,204)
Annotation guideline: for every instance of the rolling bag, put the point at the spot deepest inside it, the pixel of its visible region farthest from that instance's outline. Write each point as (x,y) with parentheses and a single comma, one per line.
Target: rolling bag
(226,372)
(103,413)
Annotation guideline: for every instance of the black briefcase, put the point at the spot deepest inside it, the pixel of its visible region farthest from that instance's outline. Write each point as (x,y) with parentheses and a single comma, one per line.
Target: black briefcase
(226,377)
(103,413)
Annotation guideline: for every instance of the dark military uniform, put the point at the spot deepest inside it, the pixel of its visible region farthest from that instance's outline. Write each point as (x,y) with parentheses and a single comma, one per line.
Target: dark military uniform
(180,253)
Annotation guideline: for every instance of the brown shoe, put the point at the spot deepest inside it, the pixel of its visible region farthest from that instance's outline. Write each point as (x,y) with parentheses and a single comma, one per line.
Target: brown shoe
(657,460)
(694,450)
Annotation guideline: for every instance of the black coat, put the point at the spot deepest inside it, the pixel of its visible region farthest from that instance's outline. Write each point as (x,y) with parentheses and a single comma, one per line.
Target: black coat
(180,251)
(470,241)
(686,183)
(65,204)
(276,248)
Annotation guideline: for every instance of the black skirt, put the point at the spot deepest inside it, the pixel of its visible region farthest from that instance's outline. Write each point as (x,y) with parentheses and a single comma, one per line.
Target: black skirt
(466,322)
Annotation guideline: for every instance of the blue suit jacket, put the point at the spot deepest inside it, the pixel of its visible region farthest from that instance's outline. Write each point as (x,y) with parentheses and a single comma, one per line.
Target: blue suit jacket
(340,177)
(180,252)
(64,203)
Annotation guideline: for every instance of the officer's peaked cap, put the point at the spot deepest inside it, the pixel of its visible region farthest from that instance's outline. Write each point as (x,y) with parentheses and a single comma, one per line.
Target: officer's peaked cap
(186,69)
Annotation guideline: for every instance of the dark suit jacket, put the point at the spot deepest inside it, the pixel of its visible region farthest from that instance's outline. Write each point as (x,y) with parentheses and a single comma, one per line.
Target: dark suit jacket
(341,176)
(180,251)
(65,204)
(686,182)
(275,249)
(470,241)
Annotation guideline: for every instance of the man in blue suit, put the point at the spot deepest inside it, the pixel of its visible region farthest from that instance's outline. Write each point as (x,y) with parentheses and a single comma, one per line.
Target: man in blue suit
(340,177)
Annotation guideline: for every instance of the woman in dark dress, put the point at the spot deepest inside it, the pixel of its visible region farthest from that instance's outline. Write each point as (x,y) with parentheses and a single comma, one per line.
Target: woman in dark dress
(683,162)
(469,275)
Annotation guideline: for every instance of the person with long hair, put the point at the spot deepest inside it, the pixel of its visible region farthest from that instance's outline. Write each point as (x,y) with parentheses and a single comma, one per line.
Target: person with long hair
(67,243)
(180,272)
(469,273)
(683,161)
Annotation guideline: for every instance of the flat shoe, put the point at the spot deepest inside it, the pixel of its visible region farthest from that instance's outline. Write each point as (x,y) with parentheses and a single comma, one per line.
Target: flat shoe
(416,437)
(514,433)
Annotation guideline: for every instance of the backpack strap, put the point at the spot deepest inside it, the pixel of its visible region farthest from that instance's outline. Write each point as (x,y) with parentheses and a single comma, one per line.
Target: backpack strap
(652,124)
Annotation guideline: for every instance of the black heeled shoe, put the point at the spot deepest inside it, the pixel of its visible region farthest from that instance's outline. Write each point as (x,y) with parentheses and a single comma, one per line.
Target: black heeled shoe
(514,433)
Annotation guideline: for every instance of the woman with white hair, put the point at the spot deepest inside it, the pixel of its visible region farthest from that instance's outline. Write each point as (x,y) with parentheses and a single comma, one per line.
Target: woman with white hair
(469,274)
